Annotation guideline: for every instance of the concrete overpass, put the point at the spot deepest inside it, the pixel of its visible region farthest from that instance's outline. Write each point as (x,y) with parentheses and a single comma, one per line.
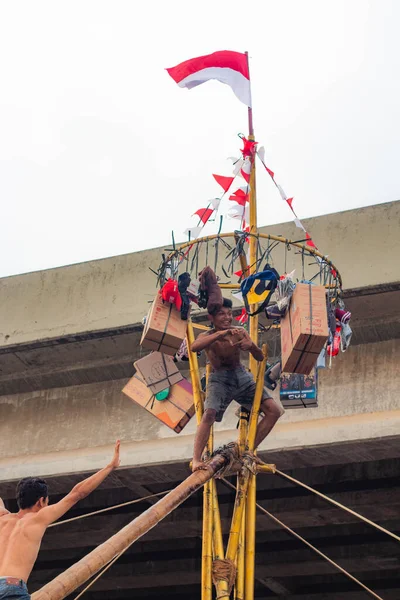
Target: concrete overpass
(68,337)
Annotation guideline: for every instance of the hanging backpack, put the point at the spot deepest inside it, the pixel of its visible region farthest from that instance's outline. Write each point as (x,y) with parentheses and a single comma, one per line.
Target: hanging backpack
(259,287)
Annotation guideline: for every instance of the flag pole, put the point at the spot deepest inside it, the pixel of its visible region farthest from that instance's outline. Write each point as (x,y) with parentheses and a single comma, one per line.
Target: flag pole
(249,526)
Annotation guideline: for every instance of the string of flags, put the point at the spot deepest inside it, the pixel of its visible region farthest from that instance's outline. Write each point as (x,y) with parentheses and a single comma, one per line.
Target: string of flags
(241,196)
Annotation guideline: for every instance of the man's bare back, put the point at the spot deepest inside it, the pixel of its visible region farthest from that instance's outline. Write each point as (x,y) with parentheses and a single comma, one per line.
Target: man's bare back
(21,533)
(20,539)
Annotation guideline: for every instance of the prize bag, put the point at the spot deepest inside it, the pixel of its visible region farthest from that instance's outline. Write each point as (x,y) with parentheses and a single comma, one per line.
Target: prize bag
(333,349)
(259,287)
(170,293)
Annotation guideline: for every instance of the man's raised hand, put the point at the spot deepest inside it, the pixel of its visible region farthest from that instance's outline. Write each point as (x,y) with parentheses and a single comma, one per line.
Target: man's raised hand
(116,461)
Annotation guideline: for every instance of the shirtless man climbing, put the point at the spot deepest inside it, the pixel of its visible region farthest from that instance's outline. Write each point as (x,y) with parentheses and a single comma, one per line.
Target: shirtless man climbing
(229,379)
(21,533)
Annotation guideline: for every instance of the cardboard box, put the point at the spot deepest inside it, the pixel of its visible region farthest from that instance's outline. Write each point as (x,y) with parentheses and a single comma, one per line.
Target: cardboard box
(299,391)
(164,330)
(304,329)
(175,412)
(158,371)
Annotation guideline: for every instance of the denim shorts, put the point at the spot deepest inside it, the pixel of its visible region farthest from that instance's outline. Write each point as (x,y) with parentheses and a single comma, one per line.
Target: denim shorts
(10,591)
(227,385)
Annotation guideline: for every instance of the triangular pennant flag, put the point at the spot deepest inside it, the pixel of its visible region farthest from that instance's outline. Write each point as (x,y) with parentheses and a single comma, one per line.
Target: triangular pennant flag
(282,193)
(193,231)
(240,197)
(204,214)
(270,172)
(261,153)
(246,170)
(289,201)
(309,241)
(215,202)
(237,166)
(298,224)
(224,182)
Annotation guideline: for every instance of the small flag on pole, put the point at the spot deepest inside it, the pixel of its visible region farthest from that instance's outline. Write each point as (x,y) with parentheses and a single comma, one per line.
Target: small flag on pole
(225,66)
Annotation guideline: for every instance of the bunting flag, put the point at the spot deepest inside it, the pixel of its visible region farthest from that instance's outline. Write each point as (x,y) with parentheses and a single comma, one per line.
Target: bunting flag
(204,214)
(289,201)
(226,66)
(246,170)
(240,196)
(224,182)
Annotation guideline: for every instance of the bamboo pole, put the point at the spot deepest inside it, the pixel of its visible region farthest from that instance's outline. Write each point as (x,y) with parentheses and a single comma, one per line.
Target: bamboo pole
(207,539)
(194,373)
(240,573)
(68,581)
(250,540)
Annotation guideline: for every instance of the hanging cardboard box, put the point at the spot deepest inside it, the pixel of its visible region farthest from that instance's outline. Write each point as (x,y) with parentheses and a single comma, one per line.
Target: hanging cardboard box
(299,391)
(158,371)
(175,411)
(304,329)
(164,330)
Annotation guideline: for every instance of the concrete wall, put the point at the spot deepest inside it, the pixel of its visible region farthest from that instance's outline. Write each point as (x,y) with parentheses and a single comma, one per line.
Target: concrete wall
(113,292)
(71,429)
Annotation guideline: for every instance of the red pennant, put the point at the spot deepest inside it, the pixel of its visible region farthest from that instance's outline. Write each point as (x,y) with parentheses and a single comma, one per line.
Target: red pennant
(289,201)
(249,147)
(246,176)
(240,197)
(238,273)
(243,317)
(224,182)
(204,214)
(309,241)
(270,172)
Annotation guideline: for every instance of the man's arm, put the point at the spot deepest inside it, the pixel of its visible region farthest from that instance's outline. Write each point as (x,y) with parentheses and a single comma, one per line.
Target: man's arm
(49,514)
(205,340)
(3,510)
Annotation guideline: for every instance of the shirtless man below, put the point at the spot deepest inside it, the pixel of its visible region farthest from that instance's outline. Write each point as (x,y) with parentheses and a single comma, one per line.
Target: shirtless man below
(229,379)
(21,533)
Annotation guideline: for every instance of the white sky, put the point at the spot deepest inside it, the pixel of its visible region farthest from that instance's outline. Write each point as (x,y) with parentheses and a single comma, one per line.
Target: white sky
(101,153)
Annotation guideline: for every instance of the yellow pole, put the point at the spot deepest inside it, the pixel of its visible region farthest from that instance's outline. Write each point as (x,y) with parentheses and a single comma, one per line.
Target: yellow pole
(194,373)
(250,540)
(207,541)
(240,573)
(253,327)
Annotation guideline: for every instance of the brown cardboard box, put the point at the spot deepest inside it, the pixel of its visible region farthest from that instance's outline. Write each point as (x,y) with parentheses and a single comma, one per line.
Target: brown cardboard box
(158,371)
(164,330)
(175,412)
(304,329)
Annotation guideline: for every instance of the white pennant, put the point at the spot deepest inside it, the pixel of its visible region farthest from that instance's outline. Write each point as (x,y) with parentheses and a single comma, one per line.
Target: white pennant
(237,166)
(215,202)
(261,153)
(298,224)
(239,213)
(282,193)
(194,232)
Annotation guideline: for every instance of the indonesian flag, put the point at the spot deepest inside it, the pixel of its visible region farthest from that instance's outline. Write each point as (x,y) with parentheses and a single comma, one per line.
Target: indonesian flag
(225,66)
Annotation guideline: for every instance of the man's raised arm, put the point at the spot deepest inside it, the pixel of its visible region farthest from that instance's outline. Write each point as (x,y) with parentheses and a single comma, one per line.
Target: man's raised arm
(49,514)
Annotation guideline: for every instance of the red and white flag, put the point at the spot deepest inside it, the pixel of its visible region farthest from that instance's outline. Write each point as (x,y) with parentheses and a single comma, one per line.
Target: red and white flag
(225,66)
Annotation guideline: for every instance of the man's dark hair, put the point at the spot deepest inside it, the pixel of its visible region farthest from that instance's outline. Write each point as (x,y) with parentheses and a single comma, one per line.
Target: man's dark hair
(30,490)
(226,303)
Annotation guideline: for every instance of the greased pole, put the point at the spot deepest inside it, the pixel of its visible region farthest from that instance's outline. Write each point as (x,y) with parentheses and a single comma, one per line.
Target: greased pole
(249,525)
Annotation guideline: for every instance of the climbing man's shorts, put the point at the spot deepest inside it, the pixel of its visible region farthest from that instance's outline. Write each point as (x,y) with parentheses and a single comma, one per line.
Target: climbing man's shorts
(234,384)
